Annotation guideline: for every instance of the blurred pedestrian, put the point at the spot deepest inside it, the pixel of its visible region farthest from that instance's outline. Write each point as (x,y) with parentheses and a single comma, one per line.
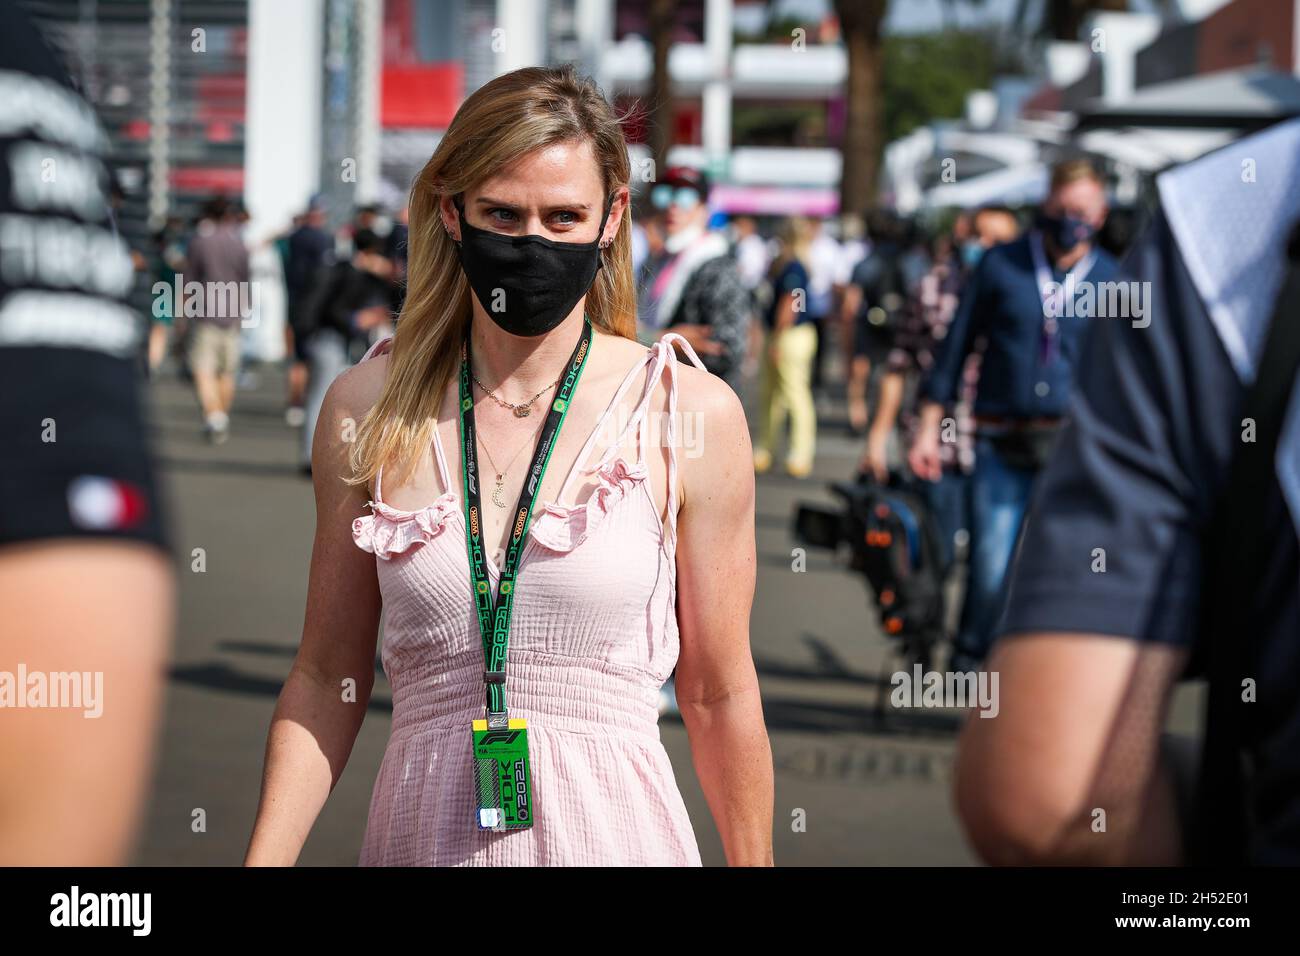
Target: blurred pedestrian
(311,251)
(854,247)
(217,260)
(751,252)
(1021,300)
(753,255)
(167,258)
(825,263)
(396,245)
(351,299)
(874,304)
(692,288)
(788,355)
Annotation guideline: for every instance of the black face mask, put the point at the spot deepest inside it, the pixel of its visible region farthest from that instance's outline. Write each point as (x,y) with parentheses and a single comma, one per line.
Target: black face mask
(1066,231)
(527,284)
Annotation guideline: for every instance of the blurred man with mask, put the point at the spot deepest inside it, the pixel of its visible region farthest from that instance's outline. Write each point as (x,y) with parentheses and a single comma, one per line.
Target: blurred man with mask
(692,286)
(1030,302)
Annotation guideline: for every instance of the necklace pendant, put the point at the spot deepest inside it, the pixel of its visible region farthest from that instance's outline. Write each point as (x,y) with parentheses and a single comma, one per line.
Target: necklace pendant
(496,495)
(521,411)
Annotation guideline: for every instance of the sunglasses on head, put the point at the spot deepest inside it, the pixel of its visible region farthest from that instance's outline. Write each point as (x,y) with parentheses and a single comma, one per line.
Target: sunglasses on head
(665,195)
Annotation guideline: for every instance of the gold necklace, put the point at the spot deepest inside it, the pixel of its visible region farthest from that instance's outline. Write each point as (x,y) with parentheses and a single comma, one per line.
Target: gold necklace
(500,479)
(522,409)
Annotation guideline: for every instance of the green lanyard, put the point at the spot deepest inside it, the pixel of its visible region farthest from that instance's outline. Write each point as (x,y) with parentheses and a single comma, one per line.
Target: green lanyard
(494,621)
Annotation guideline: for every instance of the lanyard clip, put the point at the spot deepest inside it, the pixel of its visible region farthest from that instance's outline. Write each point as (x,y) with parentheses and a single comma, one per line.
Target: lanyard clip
(497,719)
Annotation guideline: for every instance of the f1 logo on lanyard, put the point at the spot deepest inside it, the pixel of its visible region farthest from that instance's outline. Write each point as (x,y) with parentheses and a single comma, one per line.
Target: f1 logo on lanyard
(1057,297)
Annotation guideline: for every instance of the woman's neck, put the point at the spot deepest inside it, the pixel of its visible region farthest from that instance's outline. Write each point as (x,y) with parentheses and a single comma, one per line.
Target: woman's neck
(516,367)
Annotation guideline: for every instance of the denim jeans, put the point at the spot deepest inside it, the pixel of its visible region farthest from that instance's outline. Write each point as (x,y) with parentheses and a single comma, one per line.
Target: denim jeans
(999,495)
(949,501)
(328,357)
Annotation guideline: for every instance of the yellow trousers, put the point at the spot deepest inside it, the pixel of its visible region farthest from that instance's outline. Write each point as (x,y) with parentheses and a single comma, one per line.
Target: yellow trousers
(787,387)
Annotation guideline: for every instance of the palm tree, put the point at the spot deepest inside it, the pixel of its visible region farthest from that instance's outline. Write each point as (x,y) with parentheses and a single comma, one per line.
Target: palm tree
(660,119)
(1063,19)
(860,23)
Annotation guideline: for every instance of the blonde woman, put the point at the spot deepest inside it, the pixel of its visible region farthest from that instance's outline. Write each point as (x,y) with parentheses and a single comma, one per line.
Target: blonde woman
(517,501)
(788,357)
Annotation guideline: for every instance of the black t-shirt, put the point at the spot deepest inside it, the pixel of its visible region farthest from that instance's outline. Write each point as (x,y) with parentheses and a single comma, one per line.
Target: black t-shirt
(310,250)
(74,460)
(1139,469)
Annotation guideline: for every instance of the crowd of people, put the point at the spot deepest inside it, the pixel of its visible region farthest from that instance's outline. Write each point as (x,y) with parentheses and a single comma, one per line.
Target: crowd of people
(343,290)
(912,315)
(914,318)
(1163,541)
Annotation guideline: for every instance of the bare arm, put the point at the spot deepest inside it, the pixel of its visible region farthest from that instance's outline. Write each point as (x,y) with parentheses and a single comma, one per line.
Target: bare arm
(324,699)
(717,685)
(891,399)
(849,305)
(73,781)
(1077,734)
(785,314)
(875,455)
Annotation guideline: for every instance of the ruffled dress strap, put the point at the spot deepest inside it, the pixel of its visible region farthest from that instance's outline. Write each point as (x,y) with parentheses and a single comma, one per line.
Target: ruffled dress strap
(389,531)
(668,357)
(579,462)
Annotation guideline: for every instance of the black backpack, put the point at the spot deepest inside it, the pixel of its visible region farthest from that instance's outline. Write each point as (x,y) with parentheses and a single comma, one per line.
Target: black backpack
(884,294)
(895,544)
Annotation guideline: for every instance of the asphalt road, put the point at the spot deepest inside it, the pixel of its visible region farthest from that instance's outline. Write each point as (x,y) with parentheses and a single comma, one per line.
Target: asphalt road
(850,789)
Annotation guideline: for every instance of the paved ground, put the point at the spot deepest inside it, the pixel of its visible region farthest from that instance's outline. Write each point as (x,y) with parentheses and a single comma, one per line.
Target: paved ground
(870,794)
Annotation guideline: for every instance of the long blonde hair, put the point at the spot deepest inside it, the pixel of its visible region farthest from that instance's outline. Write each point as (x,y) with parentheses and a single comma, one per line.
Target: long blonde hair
(510,116)
(795,237)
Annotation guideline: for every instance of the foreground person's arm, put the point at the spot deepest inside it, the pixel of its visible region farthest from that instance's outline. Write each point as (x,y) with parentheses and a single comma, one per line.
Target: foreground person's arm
(1069,771)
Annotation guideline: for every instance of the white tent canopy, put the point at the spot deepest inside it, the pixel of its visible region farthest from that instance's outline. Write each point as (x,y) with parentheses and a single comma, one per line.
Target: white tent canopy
(1022,184)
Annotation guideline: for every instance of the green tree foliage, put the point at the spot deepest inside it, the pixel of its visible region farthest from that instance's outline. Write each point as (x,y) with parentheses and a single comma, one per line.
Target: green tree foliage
(927,76)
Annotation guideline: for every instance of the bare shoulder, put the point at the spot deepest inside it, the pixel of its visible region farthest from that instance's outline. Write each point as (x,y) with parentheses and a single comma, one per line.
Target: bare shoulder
(717,472)
(700,392)
(622,351)
(347,400)
(357,389)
